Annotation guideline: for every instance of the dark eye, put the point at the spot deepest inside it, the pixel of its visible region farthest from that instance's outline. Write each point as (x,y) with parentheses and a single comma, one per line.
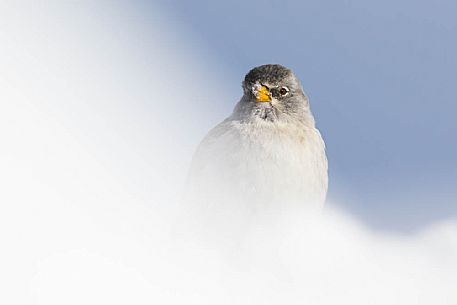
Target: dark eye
(283,91)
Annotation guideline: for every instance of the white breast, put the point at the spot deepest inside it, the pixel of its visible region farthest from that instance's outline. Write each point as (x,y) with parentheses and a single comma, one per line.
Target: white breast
(259,166)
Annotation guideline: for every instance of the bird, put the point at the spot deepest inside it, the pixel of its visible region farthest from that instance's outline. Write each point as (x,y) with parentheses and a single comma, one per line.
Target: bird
(266,158)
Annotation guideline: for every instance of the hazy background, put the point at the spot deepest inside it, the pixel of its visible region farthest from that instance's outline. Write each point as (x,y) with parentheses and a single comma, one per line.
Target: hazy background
(381,77)
(102,105)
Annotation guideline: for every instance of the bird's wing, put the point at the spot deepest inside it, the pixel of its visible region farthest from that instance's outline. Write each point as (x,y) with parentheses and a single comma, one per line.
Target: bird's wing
(212,153)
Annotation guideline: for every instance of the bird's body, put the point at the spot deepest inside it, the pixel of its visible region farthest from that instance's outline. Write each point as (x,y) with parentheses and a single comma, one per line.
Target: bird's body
(265,158)
(261,165)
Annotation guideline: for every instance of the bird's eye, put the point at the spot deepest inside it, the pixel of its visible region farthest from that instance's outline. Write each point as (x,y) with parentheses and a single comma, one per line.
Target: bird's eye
(283,91)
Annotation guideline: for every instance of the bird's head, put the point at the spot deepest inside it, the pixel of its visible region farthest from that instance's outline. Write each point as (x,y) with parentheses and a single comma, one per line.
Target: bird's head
(272,92)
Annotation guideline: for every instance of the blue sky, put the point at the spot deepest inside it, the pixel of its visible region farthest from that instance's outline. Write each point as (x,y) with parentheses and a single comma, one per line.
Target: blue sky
(381,77)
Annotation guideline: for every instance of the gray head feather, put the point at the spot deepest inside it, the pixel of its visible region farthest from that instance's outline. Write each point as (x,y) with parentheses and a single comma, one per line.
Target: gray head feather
(287,105)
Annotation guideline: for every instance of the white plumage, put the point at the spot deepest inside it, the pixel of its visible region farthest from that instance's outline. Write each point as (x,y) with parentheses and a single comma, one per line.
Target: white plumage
(261,164)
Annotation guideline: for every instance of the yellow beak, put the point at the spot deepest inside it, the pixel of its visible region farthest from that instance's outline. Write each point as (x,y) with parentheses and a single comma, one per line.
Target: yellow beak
(263,95)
